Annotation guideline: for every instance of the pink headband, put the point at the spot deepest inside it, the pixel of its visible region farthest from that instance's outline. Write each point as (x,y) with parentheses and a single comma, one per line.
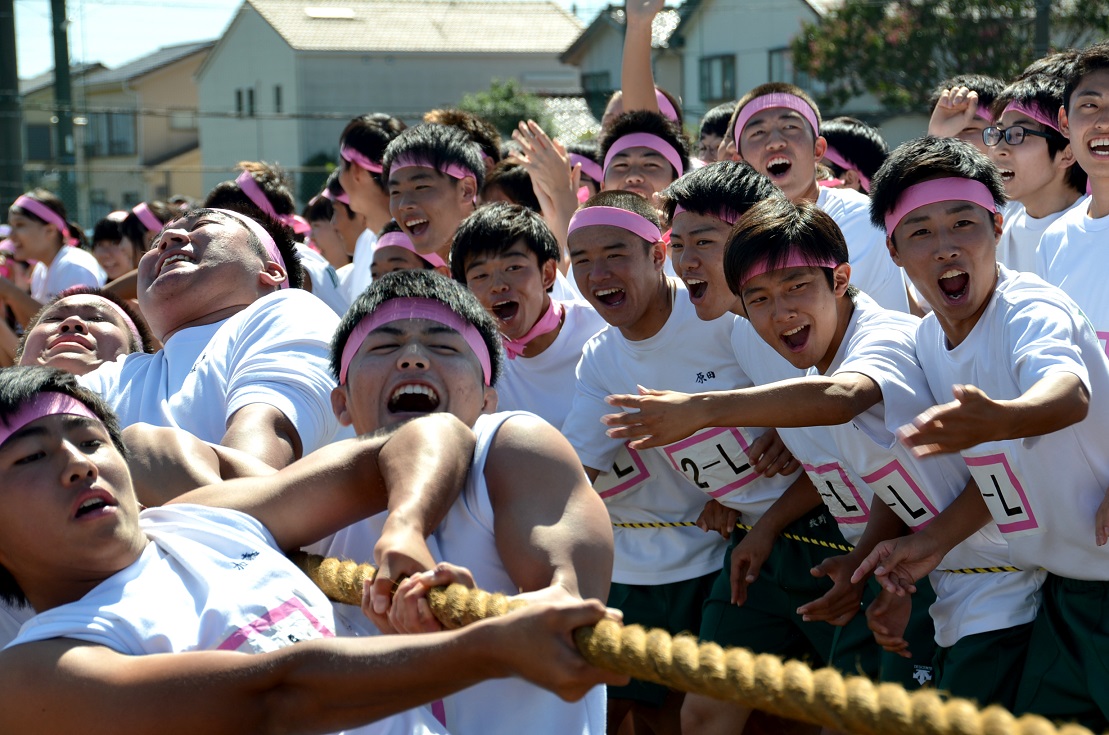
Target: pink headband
(589,167)
(352,156)
(665,108)
(1035,112)
(46,214)
(412,160)
(47,403)
(113,306)
(341,198)
(645,140)
(838,158)
(983,112)
(401,309)
(615,217)
(148,218)
(263,236)
(255,194)
(796,259)
(953,189)
(401,240)
(724,215)
(770,101)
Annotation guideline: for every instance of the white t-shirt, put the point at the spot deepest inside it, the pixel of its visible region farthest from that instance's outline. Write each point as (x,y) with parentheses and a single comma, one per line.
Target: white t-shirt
(273,352)
(209,580)
(71,267)
(544,384)
(881,344)
(325,280)
(1043,491)
(565,288)
(1072,256)
(356,276)
(467,536)
(872,269)
(1021,237)
(667,484)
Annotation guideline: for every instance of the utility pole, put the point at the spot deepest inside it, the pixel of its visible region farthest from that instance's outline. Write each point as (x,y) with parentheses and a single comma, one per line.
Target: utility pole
(11,117)
(63,100)
(1043,28)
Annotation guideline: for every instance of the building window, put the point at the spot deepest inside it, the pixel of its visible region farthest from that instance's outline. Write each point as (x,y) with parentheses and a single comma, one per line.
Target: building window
(250,102)
(39,143)
(110,134)
(239,102)
(717,78)
(781,70)
(597,88)
(278,105)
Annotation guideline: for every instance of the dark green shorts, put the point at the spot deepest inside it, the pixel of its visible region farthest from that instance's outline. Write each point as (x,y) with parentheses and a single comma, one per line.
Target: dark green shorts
(985,667)
(674,607)
(1066,675)
(768,621)
(911,673)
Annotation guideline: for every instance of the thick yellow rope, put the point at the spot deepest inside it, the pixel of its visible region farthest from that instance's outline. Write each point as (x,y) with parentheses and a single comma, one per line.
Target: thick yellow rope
(807,540)
(785,688)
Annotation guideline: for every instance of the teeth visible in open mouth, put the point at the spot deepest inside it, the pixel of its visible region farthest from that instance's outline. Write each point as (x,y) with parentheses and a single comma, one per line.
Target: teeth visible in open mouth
(414,398)
(792,332)
(422,390)
(91,503)
(410,223)
(1099,143)
(606,291)
(693,282)
(952,273)
(779,161)
(1006,174)
(177,258)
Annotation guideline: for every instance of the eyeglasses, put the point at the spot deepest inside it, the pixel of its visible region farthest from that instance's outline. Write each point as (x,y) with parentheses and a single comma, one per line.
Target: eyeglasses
(1014,135)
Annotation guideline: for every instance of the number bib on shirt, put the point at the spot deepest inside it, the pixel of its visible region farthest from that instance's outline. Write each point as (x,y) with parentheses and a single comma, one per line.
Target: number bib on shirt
(897,488)
(843,499)
(715,460)
(626,474)
(1004,494)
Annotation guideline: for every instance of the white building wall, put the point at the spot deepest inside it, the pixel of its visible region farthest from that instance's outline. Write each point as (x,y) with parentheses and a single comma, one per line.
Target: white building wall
(250,56)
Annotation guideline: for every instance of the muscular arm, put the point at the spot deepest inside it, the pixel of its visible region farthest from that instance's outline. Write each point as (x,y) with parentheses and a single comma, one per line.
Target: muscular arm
(61,686)
(551,527)
(414,470)
(264,432)
(666,416)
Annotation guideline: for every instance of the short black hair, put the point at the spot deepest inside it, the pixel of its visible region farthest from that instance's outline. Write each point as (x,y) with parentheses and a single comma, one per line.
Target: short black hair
(773,230)
(147,342)
(370,135)
(440,146)
(51,200)
(494,228)
(721,186)
(587,149)
(270,178)
(625,200)
(515,182)
(135,229)
(775,88)
(642,121)
(1058,64)
(856,141)
(280,234)
(420,284)
(481,131)
(715,121)
(986,86)
(18,385)
(1046,93)
(319,208)
(107,229)
(927,158)
(1090,59)
(335,188)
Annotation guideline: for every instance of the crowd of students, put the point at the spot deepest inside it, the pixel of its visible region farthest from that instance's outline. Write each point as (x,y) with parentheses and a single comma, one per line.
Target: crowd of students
(798,393)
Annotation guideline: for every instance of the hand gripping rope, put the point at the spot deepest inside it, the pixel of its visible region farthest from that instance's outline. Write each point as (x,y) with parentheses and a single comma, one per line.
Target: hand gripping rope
(785,688)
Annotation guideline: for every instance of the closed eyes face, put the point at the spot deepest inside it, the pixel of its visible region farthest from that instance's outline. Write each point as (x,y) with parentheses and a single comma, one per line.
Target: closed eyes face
(77,334)
(408,368)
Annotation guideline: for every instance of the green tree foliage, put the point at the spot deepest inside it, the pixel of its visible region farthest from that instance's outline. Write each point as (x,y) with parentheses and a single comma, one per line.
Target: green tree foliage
(899,50)
(504,105)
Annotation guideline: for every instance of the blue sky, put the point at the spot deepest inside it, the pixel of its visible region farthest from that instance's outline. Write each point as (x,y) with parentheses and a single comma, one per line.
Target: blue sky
(114,32)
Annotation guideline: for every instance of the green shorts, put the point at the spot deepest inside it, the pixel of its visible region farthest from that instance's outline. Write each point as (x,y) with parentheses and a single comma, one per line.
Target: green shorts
(768,621)
(1066,675)
(674,607)
(985,667)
